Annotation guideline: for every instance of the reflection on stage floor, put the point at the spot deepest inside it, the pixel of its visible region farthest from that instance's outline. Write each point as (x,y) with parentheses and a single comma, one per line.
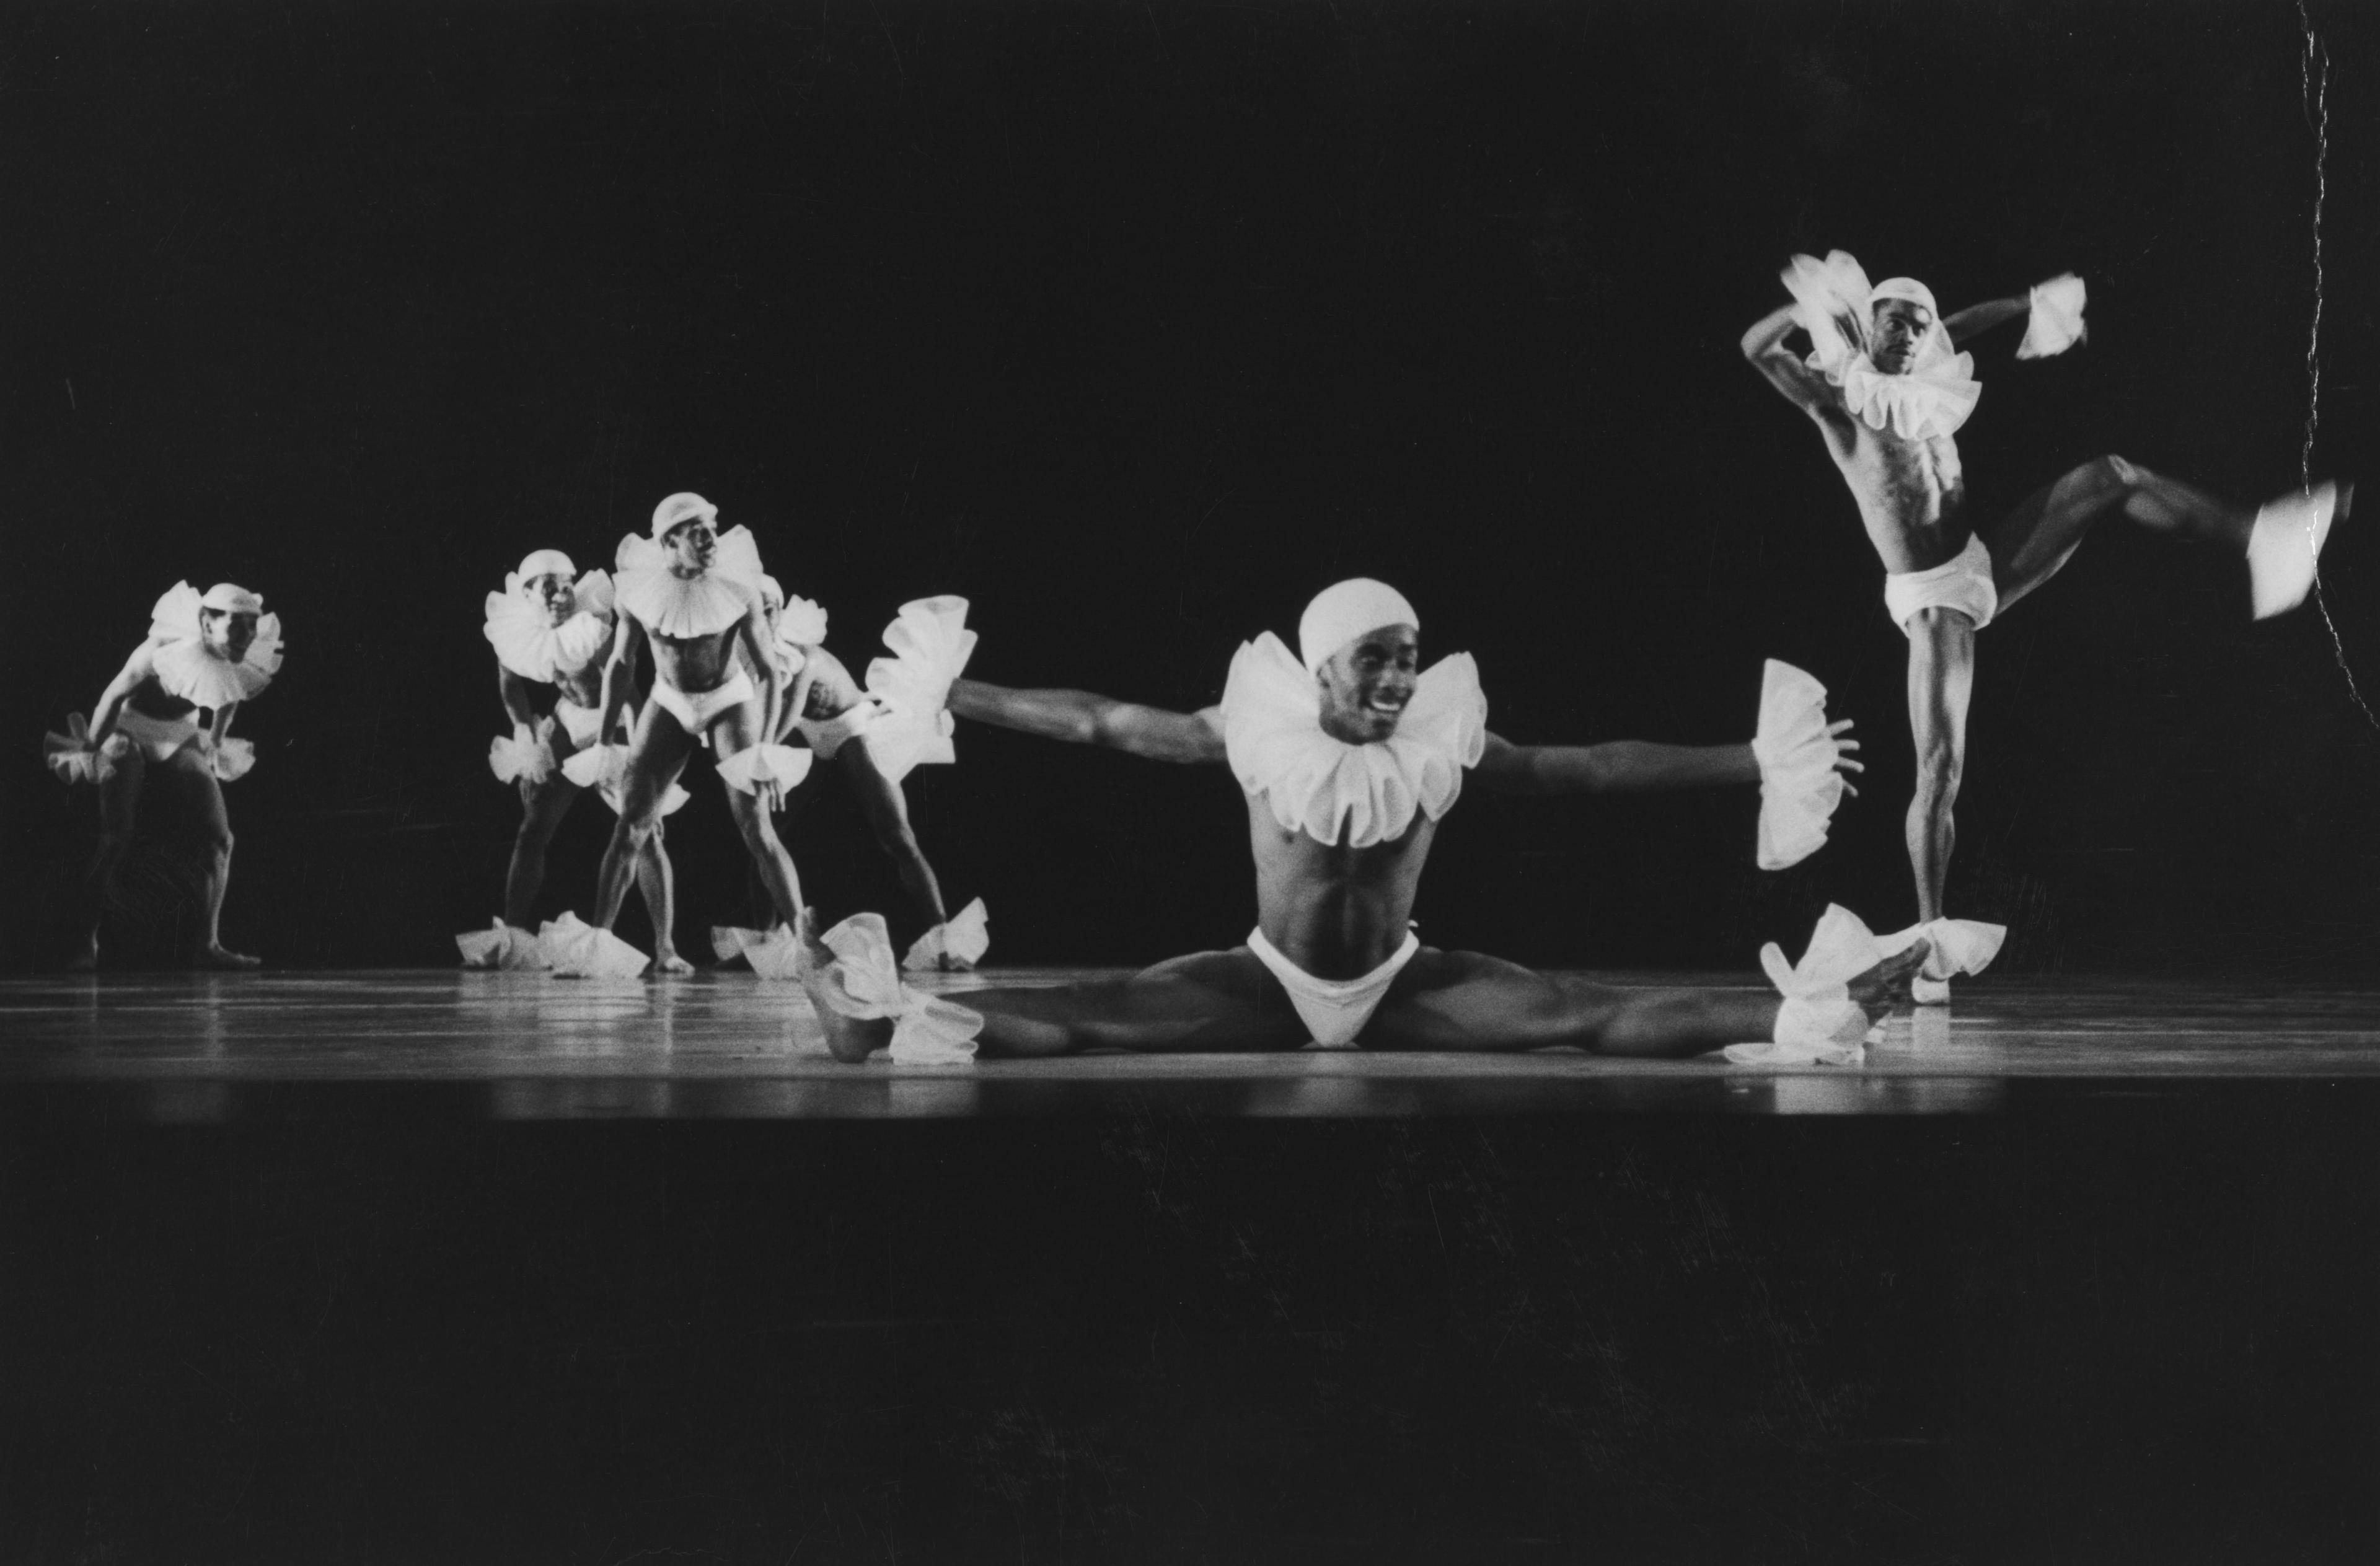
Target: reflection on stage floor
(728,1044)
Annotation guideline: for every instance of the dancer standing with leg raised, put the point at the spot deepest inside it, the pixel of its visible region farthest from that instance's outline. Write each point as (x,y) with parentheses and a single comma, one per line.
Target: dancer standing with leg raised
(1888,390)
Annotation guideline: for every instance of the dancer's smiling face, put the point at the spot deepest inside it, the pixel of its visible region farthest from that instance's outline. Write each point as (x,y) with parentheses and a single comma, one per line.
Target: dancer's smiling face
(1899,326)
(1367,684)
(552,593)
(228,633)
(691,546)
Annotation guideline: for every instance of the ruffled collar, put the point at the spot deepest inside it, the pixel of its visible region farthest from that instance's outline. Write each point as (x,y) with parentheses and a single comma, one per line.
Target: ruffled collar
(1933,400)
(533,647)
(683,607)
(189,669)
(1342,794)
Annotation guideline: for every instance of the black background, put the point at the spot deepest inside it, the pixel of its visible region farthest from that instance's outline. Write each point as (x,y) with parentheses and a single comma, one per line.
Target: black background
(1139,324)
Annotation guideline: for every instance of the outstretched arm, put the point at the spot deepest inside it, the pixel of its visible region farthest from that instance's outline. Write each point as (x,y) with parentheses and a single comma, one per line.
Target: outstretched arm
(1964,324)
(1080,717)
(1630,766)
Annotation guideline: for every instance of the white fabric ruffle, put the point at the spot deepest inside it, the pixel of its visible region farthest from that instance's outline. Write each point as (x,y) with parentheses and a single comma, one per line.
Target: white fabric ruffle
(535,648)
(71,755)
(516,756)
(773,954)
(756,764)
(965,940)
(1959,946)
(1333,791)
(188,669)
(574,949)
(1799,785)
(685,607)
(1819,1023)
(930,645)
(2055,322)
(230,759)
(1933,399)
(863,982)
(501,946)
(604,769)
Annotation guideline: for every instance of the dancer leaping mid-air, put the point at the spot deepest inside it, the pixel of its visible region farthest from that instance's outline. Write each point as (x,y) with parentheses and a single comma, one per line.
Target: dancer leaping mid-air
(1887,389)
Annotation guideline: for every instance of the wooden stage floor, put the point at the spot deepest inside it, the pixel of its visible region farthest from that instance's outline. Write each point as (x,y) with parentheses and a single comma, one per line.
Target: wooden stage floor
(727,1044)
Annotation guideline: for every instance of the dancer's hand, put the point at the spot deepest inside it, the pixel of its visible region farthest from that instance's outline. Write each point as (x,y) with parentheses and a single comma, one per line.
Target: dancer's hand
(1845,763)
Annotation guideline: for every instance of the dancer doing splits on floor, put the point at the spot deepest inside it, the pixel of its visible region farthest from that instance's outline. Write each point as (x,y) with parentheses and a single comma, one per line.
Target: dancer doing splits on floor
(552,626)
(693,595)
(1348,758)
(1887,389)
(875,735)
(204,653)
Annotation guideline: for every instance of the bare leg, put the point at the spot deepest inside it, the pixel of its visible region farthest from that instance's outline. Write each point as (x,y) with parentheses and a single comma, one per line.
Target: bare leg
(657,754)
(657,881)
(887,816)
(1461,1001)
(123,767)
(543,807)
(1209,1000)
(193,771)
(738,730)
(1941,679)
(2041,535)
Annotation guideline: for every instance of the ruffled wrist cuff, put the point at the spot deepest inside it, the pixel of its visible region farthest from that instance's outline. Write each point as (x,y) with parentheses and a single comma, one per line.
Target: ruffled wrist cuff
(1799,785)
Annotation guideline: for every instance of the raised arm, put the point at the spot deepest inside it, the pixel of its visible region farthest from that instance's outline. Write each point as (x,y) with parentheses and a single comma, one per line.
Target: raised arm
(1080,717)
(135,669)
(1765,349)
(1964,324)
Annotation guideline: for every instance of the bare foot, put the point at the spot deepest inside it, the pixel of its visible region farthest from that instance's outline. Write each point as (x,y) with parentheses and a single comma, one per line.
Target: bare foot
(848,1039)
(669,965)
(1887,985)
(214,955)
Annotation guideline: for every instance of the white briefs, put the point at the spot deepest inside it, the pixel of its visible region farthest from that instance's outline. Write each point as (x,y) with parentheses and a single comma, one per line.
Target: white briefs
(1335,1009)
(159,738)
(699,711)
(1962,582)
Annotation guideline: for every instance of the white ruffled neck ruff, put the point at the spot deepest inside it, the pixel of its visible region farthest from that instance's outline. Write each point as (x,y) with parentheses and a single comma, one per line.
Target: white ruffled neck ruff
(683,607)
(531,646)
(189,669)
(1931,401)
(1342,794)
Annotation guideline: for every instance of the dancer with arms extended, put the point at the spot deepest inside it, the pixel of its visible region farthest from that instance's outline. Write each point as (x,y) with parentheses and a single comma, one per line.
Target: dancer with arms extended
(204,653)
(1348,758)
(552,626)
(1888,391)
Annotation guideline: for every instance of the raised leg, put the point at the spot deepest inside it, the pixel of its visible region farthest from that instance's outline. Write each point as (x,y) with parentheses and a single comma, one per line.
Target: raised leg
(1941,680)
(2037,539)
(543,807)
(123,767)
(887,816)
(657,754)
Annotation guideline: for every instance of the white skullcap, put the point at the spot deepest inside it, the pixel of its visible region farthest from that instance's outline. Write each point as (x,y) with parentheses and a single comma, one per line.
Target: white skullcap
(682,506)
(545,563)
(1905,288)
(230,598)
(1341,612)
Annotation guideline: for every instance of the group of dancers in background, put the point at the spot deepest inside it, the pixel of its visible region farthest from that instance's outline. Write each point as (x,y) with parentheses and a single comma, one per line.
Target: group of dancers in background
(1346,750)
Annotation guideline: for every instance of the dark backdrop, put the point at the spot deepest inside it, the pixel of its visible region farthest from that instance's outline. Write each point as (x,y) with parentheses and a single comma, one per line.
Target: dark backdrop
(1136,324)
